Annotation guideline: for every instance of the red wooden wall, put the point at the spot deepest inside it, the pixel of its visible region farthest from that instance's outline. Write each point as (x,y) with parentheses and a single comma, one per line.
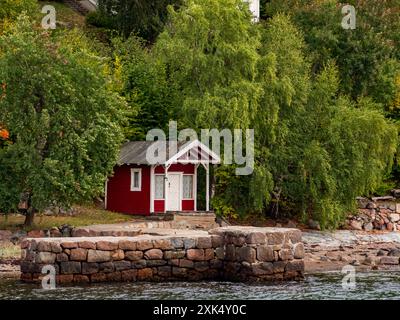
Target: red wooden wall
(119,196)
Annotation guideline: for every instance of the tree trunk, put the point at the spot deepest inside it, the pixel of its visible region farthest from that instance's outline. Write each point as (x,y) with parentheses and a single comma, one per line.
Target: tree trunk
(29,216)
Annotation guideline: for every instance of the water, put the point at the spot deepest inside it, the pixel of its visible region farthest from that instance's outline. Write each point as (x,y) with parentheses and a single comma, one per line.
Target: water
(372,285)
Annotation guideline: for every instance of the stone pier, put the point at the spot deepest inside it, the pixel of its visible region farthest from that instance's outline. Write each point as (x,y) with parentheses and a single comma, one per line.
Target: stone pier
(229,253)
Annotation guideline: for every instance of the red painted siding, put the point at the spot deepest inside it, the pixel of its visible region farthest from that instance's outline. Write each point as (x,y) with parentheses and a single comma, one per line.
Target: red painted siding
(158,205)
(187,205)
(119,196)
(185,168)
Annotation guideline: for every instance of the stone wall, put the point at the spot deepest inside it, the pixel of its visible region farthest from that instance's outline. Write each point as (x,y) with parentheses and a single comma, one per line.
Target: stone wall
(377,213)
(230,253)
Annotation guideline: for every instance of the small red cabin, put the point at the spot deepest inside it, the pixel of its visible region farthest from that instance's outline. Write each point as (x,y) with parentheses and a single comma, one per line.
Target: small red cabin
(150,178)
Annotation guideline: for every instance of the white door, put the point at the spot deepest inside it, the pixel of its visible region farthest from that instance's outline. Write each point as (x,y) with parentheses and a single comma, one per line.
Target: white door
(174,192)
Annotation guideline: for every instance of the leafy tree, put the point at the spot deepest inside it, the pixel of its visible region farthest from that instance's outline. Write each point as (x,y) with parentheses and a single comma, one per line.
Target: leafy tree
(63,121)
(142,81)
(144,18)
(367,57)
(326,150)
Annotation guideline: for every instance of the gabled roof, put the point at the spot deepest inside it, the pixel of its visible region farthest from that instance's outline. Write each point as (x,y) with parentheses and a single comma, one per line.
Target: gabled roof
(134,152)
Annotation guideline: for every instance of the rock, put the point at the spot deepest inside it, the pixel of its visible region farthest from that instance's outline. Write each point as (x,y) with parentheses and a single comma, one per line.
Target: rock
(368,226)
(69,245)
(61,257)
(204,243)
(298,251)
(356,225)
(36,234)
(395,193)
(87,245)
(246,254)
(291,224)
(55,232)
(122,265)
(89,268)
(295,265)
(314,224)
(230,252)
(279,266)
(201,266)
(265,253)
(255,238)
(144,245)
(174,254)
(390,226)
(98,256)
(394,217)
(195,254)
(389,260)
(162,244)
(44,246)
(185,263)
(381,253)
(45,257)
(153,254)
(371,205)
(275,238)
(106,245)
(78,254)
(117,255)
(127,245)
(209,254)
(369,261)
(17,236)
(189,243)
(216,241)
(362,202)
(134,255)
(144,274)
(70,267)
(106,267)
(98,277)
(394,252)
(285,254)
(128,275)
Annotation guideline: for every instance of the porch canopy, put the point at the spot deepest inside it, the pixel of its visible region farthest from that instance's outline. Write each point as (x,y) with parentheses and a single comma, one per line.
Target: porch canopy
(166,153)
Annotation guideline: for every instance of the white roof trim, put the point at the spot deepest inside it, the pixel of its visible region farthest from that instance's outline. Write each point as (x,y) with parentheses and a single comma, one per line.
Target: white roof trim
(190,145)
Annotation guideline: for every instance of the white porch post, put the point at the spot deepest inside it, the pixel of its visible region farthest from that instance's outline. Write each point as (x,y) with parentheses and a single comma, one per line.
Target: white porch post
(195,186)
(152,189)
(207,187)
(165,188)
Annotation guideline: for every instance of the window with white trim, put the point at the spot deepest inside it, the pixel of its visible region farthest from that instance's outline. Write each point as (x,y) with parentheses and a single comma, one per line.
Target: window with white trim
(159,186)
(136,179)
(188,186)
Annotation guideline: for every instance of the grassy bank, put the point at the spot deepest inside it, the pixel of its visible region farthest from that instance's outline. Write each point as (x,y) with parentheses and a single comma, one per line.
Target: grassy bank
(83,216)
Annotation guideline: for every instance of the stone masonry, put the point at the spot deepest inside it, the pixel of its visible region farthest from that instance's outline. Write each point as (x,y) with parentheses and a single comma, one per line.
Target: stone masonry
(229,253)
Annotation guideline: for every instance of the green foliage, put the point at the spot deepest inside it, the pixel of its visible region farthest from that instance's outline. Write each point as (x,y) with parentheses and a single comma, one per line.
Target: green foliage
(64,123)
(141,17)
(10,9)
(142,82)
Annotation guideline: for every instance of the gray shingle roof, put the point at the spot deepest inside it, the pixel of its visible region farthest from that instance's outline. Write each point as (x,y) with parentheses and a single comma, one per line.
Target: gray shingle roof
(134,152)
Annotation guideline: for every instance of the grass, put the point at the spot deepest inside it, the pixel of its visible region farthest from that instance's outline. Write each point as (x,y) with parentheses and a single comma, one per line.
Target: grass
(9,251)
(84,216)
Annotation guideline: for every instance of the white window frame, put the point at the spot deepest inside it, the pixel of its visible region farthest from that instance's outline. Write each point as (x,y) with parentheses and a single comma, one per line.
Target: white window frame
(155,175)
(193,180)
(133,171)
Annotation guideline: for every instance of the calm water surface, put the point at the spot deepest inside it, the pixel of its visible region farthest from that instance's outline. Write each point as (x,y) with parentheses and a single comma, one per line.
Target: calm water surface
(373,285)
